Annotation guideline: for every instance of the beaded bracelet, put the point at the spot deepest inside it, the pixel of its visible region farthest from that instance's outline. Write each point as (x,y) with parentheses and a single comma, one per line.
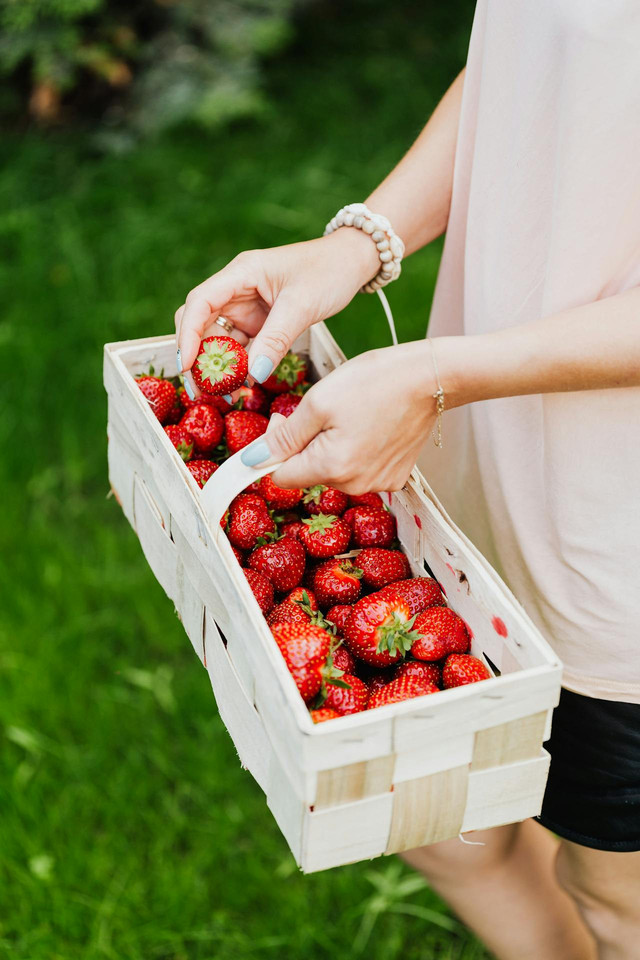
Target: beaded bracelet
(390,246)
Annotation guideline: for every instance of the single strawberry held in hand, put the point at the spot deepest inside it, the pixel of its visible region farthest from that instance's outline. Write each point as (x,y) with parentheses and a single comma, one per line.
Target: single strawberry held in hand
(221,365)
(160,393)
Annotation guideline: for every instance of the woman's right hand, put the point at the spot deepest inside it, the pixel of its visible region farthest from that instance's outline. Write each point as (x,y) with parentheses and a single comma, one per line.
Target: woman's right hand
(272,295)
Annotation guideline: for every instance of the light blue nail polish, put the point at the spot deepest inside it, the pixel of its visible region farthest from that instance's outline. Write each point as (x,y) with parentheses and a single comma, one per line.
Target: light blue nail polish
(256,453)
(246,383)
(189,390)
(179,360)
(261,369)
(228,398)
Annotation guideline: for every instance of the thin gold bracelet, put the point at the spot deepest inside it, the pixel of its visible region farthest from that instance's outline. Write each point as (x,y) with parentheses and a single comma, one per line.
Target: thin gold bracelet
(438,396)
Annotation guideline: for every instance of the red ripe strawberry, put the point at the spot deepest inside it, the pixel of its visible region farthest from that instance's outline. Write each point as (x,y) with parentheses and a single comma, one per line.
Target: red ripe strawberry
(419,592)
(291,371)
(160,393)
(285,403)
(461,668)
(302,595)
(181,439)
(322,499)
(292,528)
(371,526)
(201,470)
(305,648)
(238,554)
(278,497)
(337,581)
(366,500)
(380,567)
(345,700)
(242,427)
(253,488)
(339,615)
(380,680)
(287,612)
(325,535)
(431,672)
(323,713)
(262,589)
(253,399)
(343,659)
(379,630)
(205,425)
(220,404)
(221,365)
(282,562)
(404,688)
(441,632)
(248,520)
(175,414)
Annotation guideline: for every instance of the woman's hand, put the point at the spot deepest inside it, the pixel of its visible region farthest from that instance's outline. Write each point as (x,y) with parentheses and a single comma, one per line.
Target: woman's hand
(273,295)
(360,428)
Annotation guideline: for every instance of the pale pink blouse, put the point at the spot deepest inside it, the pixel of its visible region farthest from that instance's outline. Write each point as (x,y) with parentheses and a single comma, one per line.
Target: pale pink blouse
(546,216)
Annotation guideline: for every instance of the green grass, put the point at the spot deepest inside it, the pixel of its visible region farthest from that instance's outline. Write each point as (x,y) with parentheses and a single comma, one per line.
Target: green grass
(127,828)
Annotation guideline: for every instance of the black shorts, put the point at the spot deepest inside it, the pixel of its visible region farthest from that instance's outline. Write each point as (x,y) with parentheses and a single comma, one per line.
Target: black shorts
(593,792)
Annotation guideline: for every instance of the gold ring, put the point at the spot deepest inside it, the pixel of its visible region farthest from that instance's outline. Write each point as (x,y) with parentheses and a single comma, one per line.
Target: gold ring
(225,324)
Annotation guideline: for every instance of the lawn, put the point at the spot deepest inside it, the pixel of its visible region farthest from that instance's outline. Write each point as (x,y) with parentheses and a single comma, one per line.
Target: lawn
(127,828)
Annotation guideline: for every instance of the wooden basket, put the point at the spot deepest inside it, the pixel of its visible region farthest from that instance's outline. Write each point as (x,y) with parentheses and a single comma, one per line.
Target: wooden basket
(376,782)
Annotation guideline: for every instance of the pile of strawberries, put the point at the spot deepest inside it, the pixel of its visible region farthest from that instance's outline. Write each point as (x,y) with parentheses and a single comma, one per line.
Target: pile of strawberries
(356,630)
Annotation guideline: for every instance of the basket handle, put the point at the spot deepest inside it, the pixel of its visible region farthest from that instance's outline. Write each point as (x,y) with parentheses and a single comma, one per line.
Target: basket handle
(227,482)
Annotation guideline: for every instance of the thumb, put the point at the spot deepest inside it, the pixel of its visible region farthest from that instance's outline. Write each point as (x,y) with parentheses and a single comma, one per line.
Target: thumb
(285,322)
(284,438)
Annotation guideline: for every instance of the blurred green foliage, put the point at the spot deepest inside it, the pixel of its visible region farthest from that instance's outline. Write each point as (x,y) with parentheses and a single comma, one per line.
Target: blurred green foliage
(128,830)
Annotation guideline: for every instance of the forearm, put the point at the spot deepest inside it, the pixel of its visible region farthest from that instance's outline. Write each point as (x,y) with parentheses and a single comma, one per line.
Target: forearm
(592,347)
(416,195)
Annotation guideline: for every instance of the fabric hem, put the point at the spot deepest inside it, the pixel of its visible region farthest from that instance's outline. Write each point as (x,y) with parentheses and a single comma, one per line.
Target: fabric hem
(600,689)
(612,846)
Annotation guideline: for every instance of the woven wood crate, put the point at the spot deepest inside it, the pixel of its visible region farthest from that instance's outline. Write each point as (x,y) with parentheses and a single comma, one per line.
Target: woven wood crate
(373,783)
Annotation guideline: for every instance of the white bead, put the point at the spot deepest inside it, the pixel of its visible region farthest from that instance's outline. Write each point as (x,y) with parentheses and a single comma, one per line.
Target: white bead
(386,276)
(335,223)
(396,246)
(368,227)
(348,219)
(385,256)
(378,236)
(358,221)
(383,223)
(382,245)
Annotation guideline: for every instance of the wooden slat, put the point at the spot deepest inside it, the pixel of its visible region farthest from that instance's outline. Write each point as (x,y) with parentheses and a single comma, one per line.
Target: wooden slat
(428,809)
(190,609)
(509,742)
(156,544)
(347,833)
(506,794)
(353,782)
(441,752)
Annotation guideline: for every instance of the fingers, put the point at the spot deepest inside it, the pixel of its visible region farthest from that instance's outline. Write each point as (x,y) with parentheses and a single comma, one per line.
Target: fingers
(285,322)
(287,437)
(204,305)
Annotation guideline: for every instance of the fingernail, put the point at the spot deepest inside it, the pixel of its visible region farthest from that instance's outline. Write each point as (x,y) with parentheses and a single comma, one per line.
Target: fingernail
(179,360)
(189,389)
(228,398)
(256,453)
(262,368)
(246,383)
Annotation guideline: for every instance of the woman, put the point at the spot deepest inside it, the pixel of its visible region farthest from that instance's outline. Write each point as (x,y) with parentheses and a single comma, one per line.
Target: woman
(531,163)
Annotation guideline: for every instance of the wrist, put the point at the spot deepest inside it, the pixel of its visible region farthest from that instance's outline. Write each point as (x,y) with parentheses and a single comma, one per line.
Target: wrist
(356,251)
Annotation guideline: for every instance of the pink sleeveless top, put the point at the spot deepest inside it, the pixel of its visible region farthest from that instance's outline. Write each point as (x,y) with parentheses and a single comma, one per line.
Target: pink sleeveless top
(546,216)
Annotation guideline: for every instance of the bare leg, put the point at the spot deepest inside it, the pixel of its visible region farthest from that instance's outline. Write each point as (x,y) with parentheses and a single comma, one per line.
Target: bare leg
(606,887)
(507,892)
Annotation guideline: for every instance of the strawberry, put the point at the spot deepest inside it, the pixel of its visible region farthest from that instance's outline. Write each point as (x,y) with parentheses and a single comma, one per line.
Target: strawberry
(286,612)
(282,562)
(221,365)
(242,427)
(441,632)
(461,668)
(371,526)
(337,581)
(379,630)
(291,371)
(343,659)
(181,439)
(292,528)
(303,596)
(201,470)
(278,497)
(380,567)
(160,393)
(404,688)
(325,535)
(205,425)
(262,589)
(305,648)
(175,414)
(366,500)
(431,672)
(253,488)
(322,499)
(248,519)
(379,680)
(419,592)
(238,554)
(339,615)
(285,403)
(323,713)
(253,399)
(220,404)
(345,700)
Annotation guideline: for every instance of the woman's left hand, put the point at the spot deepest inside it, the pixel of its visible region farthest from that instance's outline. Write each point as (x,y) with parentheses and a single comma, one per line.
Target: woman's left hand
(360,428)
